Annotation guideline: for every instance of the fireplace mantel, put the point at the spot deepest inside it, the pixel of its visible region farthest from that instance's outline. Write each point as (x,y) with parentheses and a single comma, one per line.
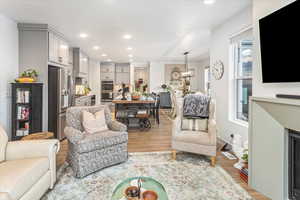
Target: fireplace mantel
(270,118)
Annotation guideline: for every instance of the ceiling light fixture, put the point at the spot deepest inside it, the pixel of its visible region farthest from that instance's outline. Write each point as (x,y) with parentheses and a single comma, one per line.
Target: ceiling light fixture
(108,60)
(127,36)
(96,47)
(209,2)
(83,35)
(130,55)
(104,55)
(129,48)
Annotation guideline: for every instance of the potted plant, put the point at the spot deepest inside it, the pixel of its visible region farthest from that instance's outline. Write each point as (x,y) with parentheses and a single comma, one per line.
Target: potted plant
(245,158)
(135,95)
(28,76)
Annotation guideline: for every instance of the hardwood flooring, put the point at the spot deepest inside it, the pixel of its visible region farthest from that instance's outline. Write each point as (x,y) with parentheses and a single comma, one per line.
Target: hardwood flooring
(159,139)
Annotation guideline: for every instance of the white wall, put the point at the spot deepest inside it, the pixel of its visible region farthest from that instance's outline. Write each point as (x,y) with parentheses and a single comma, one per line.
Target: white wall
(157,73)
(94,79)
(8,67)
(262,8)
(200,84)
(219,50)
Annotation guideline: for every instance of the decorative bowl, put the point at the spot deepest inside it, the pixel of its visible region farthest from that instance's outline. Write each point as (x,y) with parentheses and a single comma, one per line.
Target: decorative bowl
(25,80)
(134,191)
(149,195)
(135,98)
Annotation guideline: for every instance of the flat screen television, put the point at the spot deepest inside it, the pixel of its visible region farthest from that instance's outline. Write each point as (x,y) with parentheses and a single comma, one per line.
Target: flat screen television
(280,45)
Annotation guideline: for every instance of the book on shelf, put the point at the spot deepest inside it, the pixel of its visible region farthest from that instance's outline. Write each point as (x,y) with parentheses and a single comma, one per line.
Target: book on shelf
(23,96)
(142,112)
(22,113)
(244,174)
(22,132)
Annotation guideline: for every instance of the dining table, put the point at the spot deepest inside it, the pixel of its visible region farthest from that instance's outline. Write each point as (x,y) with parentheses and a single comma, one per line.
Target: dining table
(126,109)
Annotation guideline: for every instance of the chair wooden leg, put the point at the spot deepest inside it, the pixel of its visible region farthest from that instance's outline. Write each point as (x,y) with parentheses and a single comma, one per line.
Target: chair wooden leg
(174,154)
(213,161)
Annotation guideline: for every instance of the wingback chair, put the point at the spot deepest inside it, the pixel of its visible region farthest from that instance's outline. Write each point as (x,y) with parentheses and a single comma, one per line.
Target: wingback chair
(199,142)
(89,153)
(27,168)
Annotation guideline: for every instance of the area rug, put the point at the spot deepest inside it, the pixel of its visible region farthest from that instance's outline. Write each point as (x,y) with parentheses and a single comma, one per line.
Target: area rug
(190,177)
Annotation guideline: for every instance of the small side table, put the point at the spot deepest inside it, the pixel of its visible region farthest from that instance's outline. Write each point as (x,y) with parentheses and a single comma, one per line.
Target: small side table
(39,136)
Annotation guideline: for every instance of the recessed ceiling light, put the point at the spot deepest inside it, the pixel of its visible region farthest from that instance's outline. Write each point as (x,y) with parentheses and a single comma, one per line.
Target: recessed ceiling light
(96,47)
(129,48)
(127,36)
(104,55)
(83,35)
(130,55)
(209,2)
(108,60)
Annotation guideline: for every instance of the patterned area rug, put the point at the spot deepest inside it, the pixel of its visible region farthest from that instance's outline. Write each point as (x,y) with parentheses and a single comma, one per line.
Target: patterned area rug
(189,177)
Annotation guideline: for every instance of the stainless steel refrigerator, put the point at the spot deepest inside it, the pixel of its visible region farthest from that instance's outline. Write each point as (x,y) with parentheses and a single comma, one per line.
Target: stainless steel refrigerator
(60,90)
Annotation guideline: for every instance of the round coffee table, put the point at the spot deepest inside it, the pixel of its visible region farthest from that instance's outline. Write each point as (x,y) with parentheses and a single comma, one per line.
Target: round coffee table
(147,184)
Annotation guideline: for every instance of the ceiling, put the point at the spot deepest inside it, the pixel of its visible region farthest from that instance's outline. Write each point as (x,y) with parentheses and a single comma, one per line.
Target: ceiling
(160,29)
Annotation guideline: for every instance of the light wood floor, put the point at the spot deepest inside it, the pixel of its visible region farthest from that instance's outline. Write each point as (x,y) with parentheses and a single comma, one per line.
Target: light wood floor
(159,139)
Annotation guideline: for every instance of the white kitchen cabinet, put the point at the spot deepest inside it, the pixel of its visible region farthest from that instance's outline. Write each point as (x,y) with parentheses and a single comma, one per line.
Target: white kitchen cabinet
(122,78)
(110,76)
(53,48)
(58,49)
(122,73)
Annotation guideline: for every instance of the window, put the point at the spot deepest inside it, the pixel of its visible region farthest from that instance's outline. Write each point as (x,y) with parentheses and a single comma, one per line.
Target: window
(242,47)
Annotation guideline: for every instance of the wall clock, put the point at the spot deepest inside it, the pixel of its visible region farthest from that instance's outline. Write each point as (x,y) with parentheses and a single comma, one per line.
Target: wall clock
(176,75)
(218,70)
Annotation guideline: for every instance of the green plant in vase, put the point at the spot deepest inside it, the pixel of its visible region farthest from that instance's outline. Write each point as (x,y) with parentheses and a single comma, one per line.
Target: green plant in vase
(245,158)
(29,75)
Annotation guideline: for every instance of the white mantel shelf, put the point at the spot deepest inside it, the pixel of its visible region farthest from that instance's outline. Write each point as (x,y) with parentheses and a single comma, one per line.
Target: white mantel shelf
(295,102)
(269,121)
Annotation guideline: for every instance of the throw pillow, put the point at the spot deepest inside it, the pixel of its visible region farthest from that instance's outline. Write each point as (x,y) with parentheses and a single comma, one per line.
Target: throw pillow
(194,124)
(93,123)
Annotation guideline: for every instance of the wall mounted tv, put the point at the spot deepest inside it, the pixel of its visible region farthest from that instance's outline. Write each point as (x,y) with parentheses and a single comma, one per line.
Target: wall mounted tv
(280,45)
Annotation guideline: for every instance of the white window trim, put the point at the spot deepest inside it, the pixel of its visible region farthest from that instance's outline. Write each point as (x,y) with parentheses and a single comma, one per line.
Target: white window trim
(233,77)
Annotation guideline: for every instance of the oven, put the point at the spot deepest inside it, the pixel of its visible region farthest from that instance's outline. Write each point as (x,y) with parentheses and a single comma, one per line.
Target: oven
(107,85)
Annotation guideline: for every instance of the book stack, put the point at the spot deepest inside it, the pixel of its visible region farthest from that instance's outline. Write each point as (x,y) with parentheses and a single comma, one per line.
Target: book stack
(23,113)
(244,174)
(23,96)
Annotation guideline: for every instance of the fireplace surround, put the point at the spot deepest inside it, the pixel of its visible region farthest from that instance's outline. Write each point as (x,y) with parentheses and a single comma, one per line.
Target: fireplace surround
(270,170)
(294,165)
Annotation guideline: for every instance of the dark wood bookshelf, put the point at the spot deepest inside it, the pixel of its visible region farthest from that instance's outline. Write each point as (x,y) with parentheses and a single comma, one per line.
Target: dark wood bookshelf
(27,106)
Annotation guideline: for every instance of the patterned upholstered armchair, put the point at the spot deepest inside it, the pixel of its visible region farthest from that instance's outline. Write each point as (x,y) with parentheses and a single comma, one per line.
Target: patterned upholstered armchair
(91,152)
(199,142)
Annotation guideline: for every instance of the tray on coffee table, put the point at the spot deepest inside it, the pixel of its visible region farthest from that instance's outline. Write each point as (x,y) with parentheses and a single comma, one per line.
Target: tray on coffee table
(147,184)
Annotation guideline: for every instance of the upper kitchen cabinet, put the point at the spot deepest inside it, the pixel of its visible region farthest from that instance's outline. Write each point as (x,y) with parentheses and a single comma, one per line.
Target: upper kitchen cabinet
(80,63)
(58,49)
(122,73)
(107,71)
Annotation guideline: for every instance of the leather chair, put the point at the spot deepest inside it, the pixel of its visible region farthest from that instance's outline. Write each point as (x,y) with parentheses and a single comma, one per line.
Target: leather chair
(27,168)
(199,142)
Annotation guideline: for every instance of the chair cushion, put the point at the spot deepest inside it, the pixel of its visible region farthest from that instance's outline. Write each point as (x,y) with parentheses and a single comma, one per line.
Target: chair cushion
(194,124)
(18,176)
(195,137)
(3,143)
(93,123)
(101,140)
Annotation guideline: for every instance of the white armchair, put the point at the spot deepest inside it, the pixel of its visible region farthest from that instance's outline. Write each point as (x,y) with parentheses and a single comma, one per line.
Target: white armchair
(27,168)
(199,142)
